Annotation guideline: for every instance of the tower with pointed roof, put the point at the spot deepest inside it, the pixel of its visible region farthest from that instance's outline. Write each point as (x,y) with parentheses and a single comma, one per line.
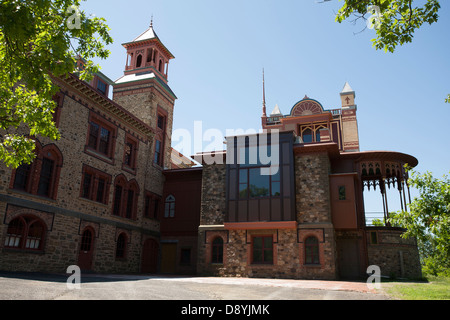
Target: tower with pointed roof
(350,135)
(144,91)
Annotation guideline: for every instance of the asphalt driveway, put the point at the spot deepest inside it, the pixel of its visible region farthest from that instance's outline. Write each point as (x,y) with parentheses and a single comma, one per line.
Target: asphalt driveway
(37,286)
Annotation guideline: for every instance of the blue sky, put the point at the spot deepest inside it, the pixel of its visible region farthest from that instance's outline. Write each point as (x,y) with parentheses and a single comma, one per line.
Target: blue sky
(221,47)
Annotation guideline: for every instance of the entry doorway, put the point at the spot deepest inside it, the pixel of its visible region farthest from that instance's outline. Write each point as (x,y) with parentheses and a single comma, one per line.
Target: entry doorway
(169,257)
(86,253)
(149,263)
(348,258)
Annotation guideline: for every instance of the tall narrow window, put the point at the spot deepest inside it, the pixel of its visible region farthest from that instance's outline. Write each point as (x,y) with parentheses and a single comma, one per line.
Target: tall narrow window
(158,146)
(156,205)
(121,246)
(161,122)
(14,235)
(307,136)
(217,250)
(130,153)
(101,86)
(44,187)
(311,250)
(139,61)
(341,191)
(117,200)
(86,241)
(104,141)
(87,185)
(169,210)
(263,250)
(93,135)
(34,235)
(130,205)
(101,186)
(318,135)
(22,177)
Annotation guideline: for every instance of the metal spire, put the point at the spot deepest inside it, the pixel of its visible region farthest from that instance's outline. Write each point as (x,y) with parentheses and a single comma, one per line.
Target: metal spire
(264,96)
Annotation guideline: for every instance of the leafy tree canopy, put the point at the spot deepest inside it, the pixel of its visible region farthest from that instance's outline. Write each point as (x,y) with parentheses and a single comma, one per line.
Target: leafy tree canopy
(394,21)
(39,40)
(428,219)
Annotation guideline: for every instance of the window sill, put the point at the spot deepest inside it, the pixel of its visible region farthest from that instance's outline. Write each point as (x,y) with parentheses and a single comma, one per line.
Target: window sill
(124,218)
(27,251)
(262,265)
(94,202)
(129,169)
(98,155)
(35,196)
(312,265)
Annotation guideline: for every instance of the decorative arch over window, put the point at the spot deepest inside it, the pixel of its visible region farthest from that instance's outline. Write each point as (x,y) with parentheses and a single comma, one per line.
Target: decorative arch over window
(25,233)
(312,250)
(42,176)
(169,210)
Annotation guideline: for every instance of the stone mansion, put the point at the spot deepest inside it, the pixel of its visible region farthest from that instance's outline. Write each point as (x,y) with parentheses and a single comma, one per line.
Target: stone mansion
(110,197)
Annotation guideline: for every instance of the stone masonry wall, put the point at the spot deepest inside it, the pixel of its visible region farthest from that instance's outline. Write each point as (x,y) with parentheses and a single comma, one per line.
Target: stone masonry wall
(313,217)
(70,212)
(397,257)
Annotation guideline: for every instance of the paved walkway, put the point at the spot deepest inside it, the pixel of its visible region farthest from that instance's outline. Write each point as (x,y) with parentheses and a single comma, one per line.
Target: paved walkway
(287,283)
(39,286)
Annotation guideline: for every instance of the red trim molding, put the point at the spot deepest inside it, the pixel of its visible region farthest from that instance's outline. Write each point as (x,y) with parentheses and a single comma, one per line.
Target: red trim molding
(260,225)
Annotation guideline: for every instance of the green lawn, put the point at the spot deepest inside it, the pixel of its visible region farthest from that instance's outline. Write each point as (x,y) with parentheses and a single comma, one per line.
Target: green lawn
(433,289)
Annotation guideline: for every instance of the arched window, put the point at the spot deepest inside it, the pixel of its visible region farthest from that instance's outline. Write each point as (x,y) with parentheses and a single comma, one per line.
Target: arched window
(139,61)
(26,233)
(149,55)
(42,176)
(86,240)
(121,246)
(217,250)
(307,136)
(125,197)
(132,198)
(22,177)
(119,191)
(312,250)
(169,210)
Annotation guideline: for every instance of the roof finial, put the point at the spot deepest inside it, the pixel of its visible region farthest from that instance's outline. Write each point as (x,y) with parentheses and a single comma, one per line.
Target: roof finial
(264,96)
(151,22)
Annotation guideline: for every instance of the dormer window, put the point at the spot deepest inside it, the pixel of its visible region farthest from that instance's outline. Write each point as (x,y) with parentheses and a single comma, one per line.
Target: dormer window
(101,86)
